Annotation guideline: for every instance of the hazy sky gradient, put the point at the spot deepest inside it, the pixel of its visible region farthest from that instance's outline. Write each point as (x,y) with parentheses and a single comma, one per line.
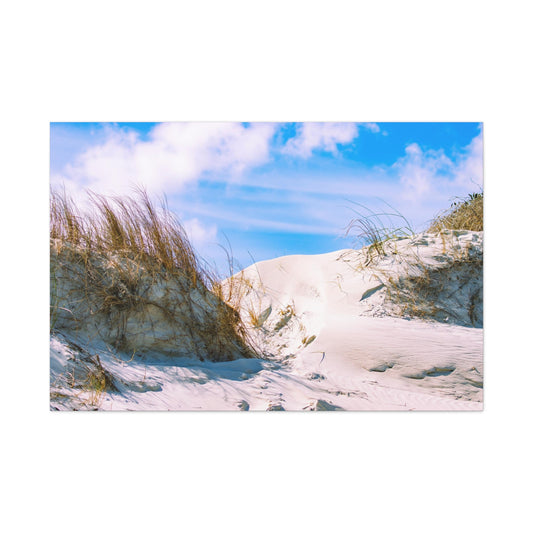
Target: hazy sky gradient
(271,189)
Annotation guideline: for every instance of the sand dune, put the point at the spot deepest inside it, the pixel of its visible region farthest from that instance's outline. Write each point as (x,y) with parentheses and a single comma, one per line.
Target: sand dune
(347,330)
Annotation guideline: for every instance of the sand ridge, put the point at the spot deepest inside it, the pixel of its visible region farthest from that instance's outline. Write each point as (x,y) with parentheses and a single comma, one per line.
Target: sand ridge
(333,333)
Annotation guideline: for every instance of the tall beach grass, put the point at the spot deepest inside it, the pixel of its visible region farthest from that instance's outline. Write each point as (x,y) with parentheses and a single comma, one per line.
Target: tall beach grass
(463,214)
(136,238)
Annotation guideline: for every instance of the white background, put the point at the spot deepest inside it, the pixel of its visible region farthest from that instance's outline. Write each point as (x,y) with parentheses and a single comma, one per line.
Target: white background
(276,60)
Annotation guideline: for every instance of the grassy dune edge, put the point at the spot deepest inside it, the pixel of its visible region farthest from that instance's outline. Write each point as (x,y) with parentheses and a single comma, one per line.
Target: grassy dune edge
(125,272)
(138,322)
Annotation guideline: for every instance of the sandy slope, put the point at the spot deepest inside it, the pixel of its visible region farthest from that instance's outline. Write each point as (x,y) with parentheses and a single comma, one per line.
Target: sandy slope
(330,328)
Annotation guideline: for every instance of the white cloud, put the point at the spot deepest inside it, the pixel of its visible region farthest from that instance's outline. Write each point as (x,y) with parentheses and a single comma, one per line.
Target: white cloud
(200,234)
(324,136)
(320,135)
(373,127)
(469,172)
(417,169)
(423,173)
(174,154)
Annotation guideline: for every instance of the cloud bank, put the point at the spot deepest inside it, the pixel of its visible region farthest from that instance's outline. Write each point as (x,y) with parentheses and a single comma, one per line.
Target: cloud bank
(173,155)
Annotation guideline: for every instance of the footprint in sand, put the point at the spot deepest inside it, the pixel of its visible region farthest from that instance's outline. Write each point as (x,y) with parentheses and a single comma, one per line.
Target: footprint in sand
(243,405)
(322,405)
(275,407)
(432,372)
(381,368)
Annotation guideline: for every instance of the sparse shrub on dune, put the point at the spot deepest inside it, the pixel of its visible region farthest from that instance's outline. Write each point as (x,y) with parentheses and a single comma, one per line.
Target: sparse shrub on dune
(446,287)
(463,214)
(450,291)
(374,229)
(125,272)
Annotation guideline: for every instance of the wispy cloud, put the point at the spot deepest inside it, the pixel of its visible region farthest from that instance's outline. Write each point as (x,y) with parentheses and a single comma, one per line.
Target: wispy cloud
(199,233)
(283,219)
(424,172)
(469,168)
(373,127)
(325,136)
(174,154)
(417,170)
(320,136)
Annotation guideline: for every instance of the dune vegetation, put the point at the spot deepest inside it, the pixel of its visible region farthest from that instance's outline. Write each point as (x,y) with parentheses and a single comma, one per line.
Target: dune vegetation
(123,271)
(463,214)
(446,287)
(138,322)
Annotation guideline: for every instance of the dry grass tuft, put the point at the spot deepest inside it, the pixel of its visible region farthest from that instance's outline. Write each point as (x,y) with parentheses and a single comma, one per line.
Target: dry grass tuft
(93,379)
(463,214)
(130,227)
(126,257)
(84,383)
(413,286)
(433,292)
(374,230)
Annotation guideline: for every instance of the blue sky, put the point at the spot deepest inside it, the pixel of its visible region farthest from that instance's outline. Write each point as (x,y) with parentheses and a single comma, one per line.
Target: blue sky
(271,189)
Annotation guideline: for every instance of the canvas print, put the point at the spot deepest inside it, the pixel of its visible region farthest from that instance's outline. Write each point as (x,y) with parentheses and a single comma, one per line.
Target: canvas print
(266,266)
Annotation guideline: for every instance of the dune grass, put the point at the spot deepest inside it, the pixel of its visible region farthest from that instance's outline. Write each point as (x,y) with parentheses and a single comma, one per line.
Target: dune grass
(434,292)
(91,379)
(132,227)
(416,287)
(115,245)
(375,229)
(463,214)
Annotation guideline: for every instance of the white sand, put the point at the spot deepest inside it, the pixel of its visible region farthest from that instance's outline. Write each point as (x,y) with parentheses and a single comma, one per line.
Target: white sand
(332,337)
